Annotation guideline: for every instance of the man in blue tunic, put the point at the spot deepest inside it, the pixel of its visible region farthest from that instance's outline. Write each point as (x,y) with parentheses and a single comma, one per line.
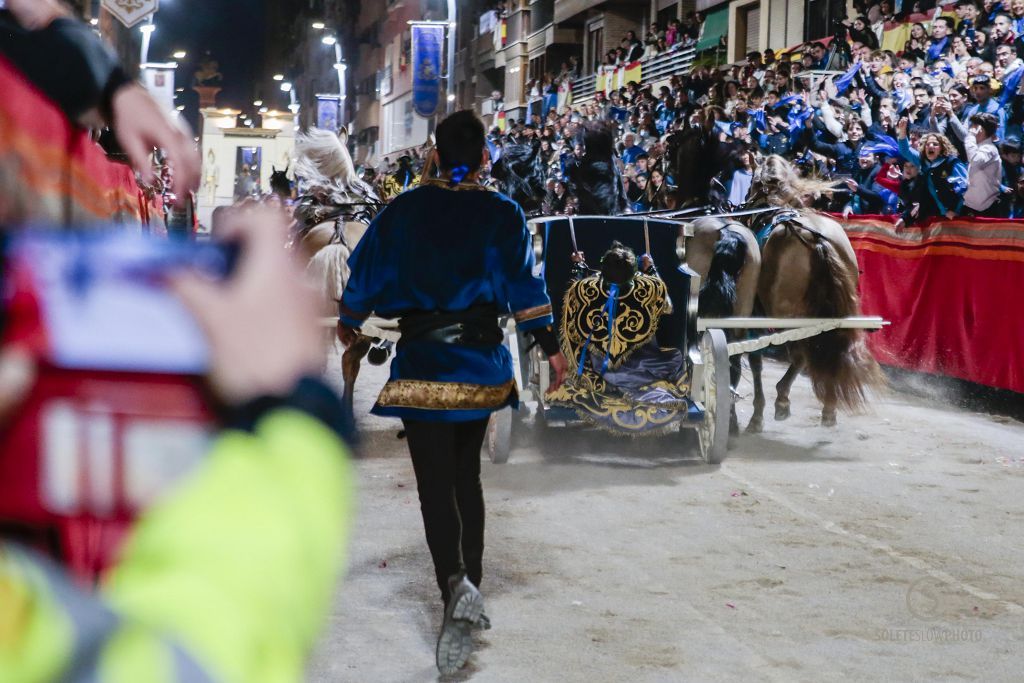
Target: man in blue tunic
(446,259)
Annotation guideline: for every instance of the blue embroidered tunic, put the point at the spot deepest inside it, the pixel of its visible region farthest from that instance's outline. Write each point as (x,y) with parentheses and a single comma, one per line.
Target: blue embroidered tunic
(436,248)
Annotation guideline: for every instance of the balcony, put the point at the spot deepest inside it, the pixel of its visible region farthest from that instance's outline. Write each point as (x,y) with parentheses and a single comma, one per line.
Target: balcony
(652,70)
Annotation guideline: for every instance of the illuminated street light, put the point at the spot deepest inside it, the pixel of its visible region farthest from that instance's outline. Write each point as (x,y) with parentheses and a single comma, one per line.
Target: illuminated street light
(264,110)
(451,98)
(180,54)
(319,25)
(180,107)
(94,21)
(286,87)
(278,77)
(328,40)
(258,103)
(341,66)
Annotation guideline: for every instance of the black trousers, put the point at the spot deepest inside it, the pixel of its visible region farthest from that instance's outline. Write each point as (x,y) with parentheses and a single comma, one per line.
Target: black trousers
(446,459)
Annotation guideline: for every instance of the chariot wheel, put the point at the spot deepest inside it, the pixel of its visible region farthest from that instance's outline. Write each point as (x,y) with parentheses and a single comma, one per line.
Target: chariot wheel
(499,436)
(715,396)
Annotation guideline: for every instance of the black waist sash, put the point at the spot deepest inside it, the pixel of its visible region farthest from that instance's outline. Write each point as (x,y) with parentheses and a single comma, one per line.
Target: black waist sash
(474,326)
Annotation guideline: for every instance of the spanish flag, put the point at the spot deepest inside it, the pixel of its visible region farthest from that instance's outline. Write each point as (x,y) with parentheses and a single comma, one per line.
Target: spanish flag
(601,83)
(500,121)
(504,32)
(632,73)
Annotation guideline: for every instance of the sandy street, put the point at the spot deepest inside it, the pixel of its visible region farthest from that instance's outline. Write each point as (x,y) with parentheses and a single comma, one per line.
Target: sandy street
(887,549)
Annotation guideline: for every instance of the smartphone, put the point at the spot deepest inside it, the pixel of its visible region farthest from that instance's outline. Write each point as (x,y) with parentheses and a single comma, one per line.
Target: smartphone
(100,300)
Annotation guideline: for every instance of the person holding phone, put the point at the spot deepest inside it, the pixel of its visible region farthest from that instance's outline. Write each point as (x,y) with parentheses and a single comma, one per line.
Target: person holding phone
(229,577)
(448,258)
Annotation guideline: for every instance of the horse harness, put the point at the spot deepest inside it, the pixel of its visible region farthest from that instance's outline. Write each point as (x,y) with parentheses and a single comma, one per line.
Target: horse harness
(763,228)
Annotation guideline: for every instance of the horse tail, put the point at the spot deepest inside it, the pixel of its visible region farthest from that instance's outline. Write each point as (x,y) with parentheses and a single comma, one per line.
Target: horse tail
(837,359)
(328,270)
(718,293)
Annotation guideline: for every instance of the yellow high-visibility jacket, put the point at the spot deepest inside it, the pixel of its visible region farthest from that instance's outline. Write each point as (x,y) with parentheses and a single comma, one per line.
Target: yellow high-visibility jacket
(226,580)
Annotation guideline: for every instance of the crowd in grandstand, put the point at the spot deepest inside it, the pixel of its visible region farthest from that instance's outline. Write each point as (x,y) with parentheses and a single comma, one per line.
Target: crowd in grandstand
(931,129)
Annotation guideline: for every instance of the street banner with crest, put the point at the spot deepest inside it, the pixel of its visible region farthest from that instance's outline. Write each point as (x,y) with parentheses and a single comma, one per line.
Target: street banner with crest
(427,42)
(131,12)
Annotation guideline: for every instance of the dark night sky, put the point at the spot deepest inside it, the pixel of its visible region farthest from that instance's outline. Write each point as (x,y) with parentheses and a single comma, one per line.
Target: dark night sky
(232,30)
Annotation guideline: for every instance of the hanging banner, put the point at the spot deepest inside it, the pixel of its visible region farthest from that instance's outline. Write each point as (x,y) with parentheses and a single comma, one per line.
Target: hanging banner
(131,12)
(159,81)
(427,42)
(327,112)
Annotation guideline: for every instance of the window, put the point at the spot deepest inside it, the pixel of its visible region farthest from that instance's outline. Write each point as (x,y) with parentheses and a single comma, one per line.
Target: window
(595,46)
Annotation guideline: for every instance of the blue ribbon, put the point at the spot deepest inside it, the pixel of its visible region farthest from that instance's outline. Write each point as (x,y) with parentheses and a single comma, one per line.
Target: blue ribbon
(458,173)
(613,295)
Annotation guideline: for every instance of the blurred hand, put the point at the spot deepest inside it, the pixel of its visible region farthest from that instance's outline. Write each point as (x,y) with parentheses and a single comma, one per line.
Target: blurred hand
(646,263)
(140,125)
(950,215)
(577,257)
(262,323)
(561,366)
(36,14)
(852,184)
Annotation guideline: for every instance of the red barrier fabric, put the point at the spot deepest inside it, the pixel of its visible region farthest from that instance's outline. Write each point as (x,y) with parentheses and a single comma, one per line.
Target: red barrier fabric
(950,289)
(51,171)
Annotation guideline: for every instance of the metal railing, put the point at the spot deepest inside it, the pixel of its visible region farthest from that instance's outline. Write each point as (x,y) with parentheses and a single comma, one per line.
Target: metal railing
(653,69)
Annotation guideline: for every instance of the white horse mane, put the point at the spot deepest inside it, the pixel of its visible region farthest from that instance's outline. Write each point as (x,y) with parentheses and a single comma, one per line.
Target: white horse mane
(324,167)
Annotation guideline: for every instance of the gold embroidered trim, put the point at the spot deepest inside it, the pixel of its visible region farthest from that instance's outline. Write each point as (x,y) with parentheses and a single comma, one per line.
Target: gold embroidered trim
(442,183)
(427,395)
(532,313)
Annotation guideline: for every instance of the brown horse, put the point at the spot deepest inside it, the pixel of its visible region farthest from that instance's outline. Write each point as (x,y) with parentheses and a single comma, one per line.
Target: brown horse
(808,270)
(726,256)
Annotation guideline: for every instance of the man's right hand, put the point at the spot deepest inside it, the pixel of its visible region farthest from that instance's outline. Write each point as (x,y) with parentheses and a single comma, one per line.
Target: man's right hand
(346,335)
(561,367)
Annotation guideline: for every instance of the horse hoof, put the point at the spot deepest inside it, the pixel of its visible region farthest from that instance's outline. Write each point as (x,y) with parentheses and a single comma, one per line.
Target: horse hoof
(756,425)
(828,421)
(782,412)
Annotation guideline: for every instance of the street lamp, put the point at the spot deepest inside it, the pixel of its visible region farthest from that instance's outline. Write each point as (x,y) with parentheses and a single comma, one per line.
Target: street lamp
(329,40)
(257,103)
(278,77)
(319,25)
(147,30)
(286,87)
(180,54)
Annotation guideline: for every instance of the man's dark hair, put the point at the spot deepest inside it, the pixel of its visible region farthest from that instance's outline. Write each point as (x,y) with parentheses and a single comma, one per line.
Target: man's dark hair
(929,90)
(618,265)
(460,140)
(988,122)
(966,3)
(948,21)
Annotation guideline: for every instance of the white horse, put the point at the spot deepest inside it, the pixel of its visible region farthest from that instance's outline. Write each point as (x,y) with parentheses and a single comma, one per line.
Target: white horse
(334,211)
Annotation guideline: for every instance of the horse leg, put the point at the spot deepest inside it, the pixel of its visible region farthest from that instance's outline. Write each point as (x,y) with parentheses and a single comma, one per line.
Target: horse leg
(735,370)
(350,361)
(785,384)
(756,424)
(828,410)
